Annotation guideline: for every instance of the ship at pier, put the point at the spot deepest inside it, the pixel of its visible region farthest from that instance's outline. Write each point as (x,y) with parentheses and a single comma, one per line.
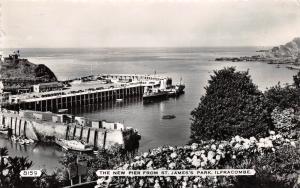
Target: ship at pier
(162,89)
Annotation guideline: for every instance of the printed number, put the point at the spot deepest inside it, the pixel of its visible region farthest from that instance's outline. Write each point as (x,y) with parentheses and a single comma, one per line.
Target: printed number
(30,173)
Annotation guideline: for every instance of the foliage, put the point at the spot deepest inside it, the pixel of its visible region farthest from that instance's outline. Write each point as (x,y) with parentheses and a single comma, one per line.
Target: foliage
(232,105)
(106,159)
(282,97)
(297,80)
(10,168)
(286,122)
(277,169)
(275,159)
(57,179)
(68,158)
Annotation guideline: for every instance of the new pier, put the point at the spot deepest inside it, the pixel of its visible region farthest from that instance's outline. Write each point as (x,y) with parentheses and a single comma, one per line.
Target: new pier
(87,90)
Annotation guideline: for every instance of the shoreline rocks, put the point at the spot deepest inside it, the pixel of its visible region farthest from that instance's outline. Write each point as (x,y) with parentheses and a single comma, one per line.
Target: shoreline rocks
(288,54)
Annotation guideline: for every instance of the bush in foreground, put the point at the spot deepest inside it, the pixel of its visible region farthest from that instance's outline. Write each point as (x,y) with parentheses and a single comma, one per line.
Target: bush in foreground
(275,159)
(231,106)
(282,97)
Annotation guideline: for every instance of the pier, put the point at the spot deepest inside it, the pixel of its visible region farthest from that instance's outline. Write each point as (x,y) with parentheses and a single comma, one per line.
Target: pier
(86,90)
(54,103)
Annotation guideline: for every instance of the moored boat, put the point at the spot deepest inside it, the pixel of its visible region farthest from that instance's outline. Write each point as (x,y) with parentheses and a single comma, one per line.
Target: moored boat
(73,145)
(119,100)
(4,130)
(172,116)
(21,141)
(179,88)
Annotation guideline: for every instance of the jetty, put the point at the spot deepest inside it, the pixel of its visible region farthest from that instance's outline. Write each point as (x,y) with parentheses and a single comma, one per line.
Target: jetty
(86,90)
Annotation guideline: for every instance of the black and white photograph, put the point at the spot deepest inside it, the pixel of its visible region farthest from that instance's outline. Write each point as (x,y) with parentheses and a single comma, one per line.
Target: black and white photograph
(149,94)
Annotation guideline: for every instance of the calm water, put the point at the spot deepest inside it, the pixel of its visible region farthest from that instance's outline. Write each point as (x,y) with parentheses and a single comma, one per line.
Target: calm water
(193,65)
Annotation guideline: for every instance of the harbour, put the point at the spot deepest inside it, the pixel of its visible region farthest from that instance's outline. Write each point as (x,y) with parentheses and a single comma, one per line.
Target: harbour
(146,118)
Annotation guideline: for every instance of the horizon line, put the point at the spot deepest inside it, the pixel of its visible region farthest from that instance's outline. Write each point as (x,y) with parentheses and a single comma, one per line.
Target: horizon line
(242,46)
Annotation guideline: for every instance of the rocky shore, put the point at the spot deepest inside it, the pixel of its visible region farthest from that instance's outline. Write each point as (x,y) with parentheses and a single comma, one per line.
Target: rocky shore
(288,54)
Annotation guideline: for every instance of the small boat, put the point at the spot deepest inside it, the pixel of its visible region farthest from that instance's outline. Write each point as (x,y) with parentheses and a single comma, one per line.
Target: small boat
(73,145)
(14,138)
(3,130)
(169,116)
(179,88)
(21,141)
(62,111)
(119,100)
(26,141)
(65,148)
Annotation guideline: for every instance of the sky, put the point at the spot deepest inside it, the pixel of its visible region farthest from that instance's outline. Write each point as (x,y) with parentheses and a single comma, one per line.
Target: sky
(147,23)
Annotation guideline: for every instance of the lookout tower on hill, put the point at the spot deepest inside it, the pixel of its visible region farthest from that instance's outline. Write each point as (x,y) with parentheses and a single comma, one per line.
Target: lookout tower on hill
(13,58)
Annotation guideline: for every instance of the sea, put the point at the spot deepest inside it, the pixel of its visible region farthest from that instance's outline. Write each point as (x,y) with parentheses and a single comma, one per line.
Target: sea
(191,66)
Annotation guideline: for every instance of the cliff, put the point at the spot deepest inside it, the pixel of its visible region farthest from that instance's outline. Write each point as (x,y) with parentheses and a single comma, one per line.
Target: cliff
(18,75)
(288,54)
(289,50)
(21,69)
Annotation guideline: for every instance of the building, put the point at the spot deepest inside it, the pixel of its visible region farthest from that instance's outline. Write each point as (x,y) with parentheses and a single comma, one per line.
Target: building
(46,116)
(13,99)
(44,87)
(16,86)
(4,97)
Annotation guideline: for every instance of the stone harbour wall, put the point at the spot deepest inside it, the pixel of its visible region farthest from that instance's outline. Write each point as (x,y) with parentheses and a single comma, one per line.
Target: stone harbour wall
(35,130)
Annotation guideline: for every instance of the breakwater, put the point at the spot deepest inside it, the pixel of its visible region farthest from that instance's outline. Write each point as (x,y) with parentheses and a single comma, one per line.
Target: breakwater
(40,130)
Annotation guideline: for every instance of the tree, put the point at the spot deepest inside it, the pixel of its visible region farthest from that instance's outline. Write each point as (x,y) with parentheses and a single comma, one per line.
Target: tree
(282,97)
(231,106)
(16,165)
(297,80)
(3,165)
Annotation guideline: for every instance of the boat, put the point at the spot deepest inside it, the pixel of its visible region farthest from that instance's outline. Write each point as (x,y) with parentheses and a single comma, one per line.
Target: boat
(4,130)
(27,141)
(176,90)
(179,88)
(21,141)
(172,116)
(62,111)
(152,94)
(171,92)
(119,100)
(73,145)
(14,138)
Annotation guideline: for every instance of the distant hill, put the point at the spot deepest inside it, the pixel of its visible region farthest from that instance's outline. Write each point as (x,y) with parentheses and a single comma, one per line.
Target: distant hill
(21,69)
(18,75)
(290,49)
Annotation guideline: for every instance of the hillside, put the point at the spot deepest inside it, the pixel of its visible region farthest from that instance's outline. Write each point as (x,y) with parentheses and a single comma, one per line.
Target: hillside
(22,69)
(290,49)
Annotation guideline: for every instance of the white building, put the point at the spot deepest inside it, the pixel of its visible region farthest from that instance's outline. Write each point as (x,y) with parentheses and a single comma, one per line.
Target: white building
(43,87)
